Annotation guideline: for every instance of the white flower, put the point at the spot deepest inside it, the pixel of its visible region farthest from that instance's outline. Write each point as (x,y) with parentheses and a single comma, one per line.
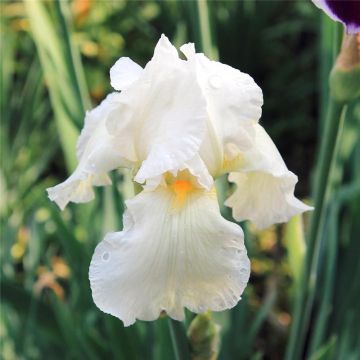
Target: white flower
(178,124)
(176,250)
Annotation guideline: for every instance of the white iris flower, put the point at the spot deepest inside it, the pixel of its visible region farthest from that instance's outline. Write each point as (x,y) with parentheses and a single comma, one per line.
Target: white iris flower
(178,124)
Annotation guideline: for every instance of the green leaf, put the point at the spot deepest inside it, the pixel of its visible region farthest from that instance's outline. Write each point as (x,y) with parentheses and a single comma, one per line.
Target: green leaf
(57,59)
(294,241)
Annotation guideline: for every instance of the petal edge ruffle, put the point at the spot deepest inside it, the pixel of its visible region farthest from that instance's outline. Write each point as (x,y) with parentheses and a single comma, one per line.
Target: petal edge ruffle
(168,259)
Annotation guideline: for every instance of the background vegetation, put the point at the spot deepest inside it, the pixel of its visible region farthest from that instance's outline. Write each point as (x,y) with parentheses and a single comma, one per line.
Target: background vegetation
(55,61)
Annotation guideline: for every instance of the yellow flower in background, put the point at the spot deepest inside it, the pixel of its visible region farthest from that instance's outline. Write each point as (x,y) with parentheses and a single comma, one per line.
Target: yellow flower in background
(178,124)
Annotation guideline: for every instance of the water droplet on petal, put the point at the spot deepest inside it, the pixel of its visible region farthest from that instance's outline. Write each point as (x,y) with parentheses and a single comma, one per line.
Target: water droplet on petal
(105,256)
(215,81)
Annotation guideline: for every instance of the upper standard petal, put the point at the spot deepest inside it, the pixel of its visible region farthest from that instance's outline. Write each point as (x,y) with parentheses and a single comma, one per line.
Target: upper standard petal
(124,73)
(164,113)
(156,124)
(233,104)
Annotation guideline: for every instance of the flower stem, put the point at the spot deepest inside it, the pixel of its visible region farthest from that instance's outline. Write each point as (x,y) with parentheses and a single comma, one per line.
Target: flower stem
(333,127)
(179,340)
(305,296)
(205,30)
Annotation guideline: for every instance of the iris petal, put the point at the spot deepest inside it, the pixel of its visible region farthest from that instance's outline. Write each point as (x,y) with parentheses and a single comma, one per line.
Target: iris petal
(171,254)
(124,73)
(264,199)
(264,186)
(233,105)
(345,11)
(97,154)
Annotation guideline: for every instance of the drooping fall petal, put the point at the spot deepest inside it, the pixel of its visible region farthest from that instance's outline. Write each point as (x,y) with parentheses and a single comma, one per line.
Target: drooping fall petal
(175,251)
(96,153)
(265,187)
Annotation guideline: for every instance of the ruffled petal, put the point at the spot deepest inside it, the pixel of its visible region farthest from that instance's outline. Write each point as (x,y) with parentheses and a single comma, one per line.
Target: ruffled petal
(347,12)
(124,73)
(98,152)
(95,136)
(78,188)
(170,255)
(195,167)
(264,186)
(164,113)
(233,103)
(264,199)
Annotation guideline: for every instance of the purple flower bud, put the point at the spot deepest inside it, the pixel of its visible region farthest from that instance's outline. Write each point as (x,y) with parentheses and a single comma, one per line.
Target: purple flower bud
(345,11)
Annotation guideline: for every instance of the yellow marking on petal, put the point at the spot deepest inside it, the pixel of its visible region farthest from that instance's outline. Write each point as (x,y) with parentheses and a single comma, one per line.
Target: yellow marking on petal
(232,164)
(181,188)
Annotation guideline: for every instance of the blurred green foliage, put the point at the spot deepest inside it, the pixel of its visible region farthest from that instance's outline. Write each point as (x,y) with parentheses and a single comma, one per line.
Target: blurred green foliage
(46,306)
